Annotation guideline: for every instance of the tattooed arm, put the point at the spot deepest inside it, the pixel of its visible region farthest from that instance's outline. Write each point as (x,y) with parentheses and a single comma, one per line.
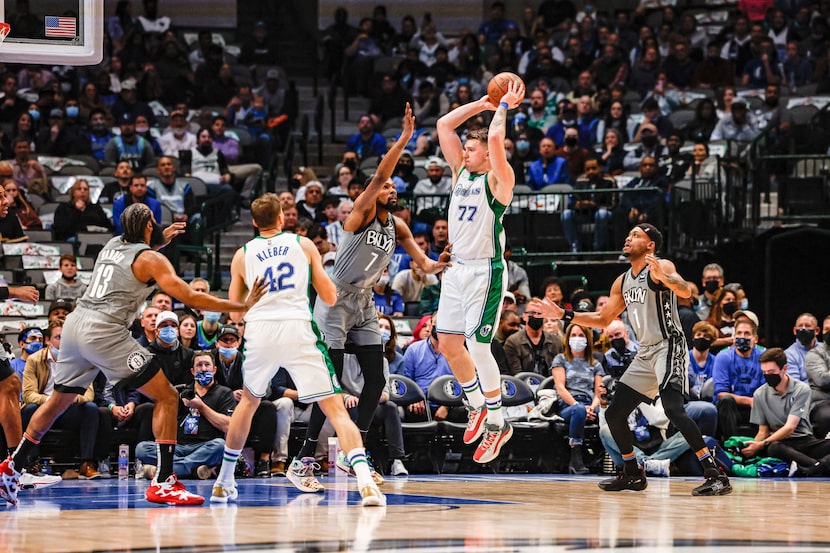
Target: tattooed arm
(502,177)
(664,272)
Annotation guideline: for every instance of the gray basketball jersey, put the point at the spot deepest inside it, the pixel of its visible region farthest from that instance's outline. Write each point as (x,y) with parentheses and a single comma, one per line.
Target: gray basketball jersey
(362,255)
(652,308)
(113,289)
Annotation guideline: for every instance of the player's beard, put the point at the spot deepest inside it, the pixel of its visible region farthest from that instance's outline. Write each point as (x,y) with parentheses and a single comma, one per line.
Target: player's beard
(391,205)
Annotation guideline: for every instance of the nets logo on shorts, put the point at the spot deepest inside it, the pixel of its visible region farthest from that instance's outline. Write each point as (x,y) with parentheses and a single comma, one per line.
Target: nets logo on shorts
(136,361)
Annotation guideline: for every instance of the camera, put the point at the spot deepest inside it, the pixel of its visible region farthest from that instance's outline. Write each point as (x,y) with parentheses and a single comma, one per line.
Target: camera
(187,393)
(623,361)
(610,384)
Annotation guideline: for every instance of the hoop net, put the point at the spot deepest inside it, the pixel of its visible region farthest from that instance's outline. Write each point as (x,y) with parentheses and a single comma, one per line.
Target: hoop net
(4,31)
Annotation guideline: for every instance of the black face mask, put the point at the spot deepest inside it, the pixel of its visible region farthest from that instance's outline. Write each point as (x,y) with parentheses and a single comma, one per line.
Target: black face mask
(825,337)
(773,379)
(805,336)
(729,308)
(157,237)
(743,344)
(649,141)
(771,102)
(535,322)
(711,286)
(619,345)
(571,142)
(205,149)
(701,344)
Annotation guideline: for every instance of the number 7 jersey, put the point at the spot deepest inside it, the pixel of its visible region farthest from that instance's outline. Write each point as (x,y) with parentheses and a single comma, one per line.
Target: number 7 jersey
(283,265)
(475,218)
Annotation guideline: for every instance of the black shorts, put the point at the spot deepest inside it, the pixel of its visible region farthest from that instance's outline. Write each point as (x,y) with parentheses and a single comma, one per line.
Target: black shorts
(6,369)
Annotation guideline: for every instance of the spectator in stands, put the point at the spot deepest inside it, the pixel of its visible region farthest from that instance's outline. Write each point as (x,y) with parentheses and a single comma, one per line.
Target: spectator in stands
(68,285)
(137,194)
(647,136)
(10,228)
(552,291)
(712,281)
(423,363)
(722,317)
(567,119)
(737,126)
(99,134)
(577,376)
(437,182)
(59,309)
(53,138)
(81,417)
(200,54)
(714,71)
(173,192)
(429,103)
(19,206)
(736,49)
(312,205)
(612,154)
(781,409)
(676,164)
(805,331)
(387,300)
(549,168)
(360,56)
(335,229)
(178,138)
(290,217)
(174,357)
(573,152)
(207,329)
(366,142)
(701,357)
(737,374)
(260,49)
(142,129)
(209,164)
(404,174)
(491,30)
(622,349)
(641,207)
(440,236)
(30,341)
(187,330)
(13,105)
(79,214)
(531,349)
(222,141)
(26,172)
(148,325)
(590,208)
(129,104)
(704,122)
(204,415)
(762,69)
(795,71)
(538,116)
(817,365)
(389,339)
(680,67)
(129,146)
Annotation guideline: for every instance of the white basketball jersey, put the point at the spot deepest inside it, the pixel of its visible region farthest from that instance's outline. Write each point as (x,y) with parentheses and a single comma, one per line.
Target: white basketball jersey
(475,218)
(284,266)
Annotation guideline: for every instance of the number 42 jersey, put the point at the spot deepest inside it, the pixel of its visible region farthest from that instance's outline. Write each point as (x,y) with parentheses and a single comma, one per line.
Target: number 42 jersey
(283,265)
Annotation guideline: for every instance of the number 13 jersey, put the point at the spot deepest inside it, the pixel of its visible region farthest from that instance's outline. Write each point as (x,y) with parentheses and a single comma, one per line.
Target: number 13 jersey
(474,219)
(284,266)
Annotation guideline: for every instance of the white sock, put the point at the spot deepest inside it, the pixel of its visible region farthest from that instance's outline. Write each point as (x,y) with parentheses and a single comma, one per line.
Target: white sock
(229,459)
(494,413)
(472,390)
(357,459)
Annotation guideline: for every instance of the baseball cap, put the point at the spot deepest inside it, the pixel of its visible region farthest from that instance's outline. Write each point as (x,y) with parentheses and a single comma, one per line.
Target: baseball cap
(165,316)
(316,183)
(128,84)
(176,113)
(225,330)
(330,256)
(568,106)
(56,112)
(406,153)
(435,161)
(510,296)
(272,74)
(61,303)
(127,119)
(748,314)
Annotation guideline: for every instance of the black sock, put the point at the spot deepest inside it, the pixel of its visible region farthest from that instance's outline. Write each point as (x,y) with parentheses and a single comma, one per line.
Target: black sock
(308,449)
(631,467)
(165,463)
(25,454)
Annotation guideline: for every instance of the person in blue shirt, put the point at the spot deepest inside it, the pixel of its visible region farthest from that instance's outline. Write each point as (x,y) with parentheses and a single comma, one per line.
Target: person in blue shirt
(423,363)
(366,143)
(737,374)
(491,31)
(549,168)
(805,330)
(701,358)
(137,194)
(387,301)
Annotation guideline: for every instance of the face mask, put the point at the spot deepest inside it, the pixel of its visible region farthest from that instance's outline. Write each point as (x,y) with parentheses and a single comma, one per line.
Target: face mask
(711,286)
(701,344)
(34,347)
(571,142)
(142,129)
(35,114)
(72,112)
(205,149)
(568,122)
(522,146)
(128,133)
(157,237)
(212,316)
(535,322)
(773,379)
(771,102)
(618,344)
(383,281)
(805,336)
(578,343)
(55,352)
(204,378)
(99,127)
(744,304)
(729,308)
(227,353)
(329,269)
(179,132)
(743,344)
(649,141)
(385,336)
(168,334)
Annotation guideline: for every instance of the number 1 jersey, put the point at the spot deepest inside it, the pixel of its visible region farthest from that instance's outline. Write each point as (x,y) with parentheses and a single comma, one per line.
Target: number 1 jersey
(283,265)
(475,219)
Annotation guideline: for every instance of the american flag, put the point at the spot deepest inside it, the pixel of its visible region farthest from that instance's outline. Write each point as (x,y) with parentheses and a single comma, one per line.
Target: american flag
(61,26)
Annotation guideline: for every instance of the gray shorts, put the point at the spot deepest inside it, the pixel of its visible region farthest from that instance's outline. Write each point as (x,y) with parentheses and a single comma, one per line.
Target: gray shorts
(353,318)
(90,342)
(659,366)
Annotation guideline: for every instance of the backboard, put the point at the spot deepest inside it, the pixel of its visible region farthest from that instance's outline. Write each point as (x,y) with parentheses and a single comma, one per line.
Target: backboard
(53,32)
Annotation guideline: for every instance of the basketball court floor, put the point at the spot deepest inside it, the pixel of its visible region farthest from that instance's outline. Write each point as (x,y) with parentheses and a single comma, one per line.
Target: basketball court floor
(427,513)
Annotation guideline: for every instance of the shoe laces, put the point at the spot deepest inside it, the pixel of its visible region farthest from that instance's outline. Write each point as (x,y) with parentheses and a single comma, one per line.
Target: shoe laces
(471,419)
(490,437)
(307,468)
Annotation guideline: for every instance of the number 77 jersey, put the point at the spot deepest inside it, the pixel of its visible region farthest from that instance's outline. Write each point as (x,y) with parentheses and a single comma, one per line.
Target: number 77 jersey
(283,265)
(475,218)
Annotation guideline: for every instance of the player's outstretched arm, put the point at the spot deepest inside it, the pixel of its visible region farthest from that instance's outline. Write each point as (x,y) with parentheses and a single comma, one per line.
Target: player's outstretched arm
(664,272)
(500,168)
(451,147)
(611,310)
(326,290)
(418,256)
(238,290)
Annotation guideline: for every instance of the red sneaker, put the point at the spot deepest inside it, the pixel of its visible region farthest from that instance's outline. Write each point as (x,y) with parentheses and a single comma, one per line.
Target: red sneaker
(9,481)
(494,439)
(171,492)
(475,423)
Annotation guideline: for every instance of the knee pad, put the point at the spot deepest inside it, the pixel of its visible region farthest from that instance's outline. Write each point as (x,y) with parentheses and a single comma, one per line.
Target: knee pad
(486,366)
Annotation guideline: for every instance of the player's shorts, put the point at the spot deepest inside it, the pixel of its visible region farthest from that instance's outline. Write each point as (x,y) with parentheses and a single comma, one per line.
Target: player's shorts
(90,342)
(471,298)
(659,366)
(353,318)
(295,345)
(6,369)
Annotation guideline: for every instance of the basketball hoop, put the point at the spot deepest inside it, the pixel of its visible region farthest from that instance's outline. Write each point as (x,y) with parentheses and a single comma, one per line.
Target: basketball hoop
(5,28)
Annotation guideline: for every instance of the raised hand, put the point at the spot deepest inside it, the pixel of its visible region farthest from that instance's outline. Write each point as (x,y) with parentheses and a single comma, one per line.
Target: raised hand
(408,122)
(515,94)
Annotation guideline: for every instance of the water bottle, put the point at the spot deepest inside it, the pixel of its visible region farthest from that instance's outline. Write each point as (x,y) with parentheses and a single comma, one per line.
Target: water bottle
(123,461)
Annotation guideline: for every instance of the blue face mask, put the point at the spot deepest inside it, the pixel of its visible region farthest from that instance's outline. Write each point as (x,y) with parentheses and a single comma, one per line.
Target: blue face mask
(168,334)
(212,316)
(385,336)
(744,304)
(35,114)
(72,112)
(743,344)
(203,378)
(34,347)
(522,145)
(227,352)
(55,352)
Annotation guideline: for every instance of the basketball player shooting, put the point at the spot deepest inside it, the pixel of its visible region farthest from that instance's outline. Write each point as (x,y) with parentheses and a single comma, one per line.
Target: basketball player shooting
(473,287)
(648,290)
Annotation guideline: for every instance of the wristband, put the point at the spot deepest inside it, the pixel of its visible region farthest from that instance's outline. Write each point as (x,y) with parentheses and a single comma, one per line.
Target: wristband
(568,317)
(504,105)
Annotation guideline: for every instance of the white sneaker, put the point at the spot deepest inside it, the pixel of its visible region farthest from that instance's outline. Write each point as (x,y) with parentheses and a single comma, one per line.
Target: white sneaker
(223,494)
(657,467)
(398,468)
(29,481)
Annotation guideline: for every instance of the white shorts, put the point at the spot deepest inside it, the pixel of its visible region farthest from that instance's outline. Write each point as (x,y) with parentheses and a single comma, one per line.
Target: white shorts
(471,298)
(295,345)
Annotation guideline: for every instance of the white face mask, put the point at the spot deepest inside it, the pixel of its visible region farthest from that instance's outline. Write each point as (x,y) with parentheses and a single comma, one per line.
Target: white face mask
(383,281)
(578,343)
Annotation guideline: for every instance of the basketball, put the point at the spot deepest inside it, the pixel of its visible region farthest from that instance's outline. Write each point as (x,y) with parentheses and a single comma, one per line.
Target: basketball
(498,87)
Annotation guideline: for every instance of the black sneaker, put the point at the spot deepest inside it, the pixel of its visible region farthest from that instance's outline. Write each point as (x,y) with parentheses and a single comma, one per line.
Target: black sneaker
(263,468)
(715,484)
(623,481)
